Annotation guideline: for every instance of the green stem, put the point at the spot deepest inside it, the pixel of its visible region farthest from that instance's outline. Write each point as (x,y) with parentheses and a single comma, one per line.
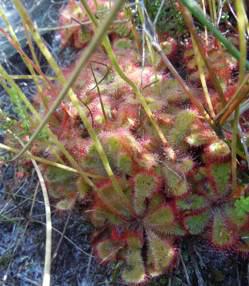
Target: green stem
(234,149)
(203,78)
(242,22)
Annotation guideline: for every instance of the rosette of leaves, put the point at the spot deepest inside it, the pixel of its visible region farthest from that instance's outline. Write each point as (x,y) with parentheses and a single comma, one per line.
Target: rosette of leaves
(142,236)
(221,62)
(78,31)
(124,152)
(206,203)
(210,206)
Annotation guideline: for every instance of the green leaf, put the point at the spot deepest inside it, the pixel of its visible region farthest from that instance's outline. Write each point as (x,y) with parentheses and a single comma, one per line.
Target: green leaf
(242,206)
(195,224)
(192,202)
(220,176)
(176,183)
(162,217)
(222,234)
(160,255)
(107,250)
(144,185)
(184,120)
(134,271)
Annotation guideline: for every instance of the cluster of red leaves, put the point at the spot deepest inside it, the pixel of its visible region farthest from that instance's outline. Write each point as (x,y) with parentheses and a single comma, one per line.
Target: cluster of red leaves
(162,199)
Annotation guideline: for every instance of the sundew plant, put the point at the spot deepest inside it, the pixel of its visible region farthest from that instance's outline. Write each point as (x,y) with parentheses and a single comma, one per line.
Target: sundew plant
(147,130)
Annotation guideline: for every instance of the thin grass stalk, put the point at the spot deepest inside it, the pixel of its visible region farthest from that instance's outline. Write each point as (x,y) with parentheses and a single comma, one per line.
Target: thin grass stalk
(66,90)
(214,11)
(48,242)
(141,15)
(146,41)
(210,6)
(203,2)
(99,94)
(47,162)
(134,30)
(22,96)
(15,39)
(196,11)
(234,149)
(238,97)
(28,62)
(214,79)
(184,86)
(203,79)
(242,23)
(27,77)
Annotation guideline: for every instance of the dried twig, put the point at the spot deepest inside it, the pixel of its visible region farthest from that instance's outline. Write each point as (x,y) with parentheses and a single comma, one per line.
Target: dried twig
(196,268)
(62,236)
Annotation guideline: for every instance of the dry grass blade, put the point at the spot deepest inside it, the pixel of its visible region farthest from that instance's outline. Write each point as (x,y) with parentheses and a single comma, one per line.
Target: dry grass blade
(62,236)
(183,84)
(190,25)
(185,270)
(234,102)
(48,245)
